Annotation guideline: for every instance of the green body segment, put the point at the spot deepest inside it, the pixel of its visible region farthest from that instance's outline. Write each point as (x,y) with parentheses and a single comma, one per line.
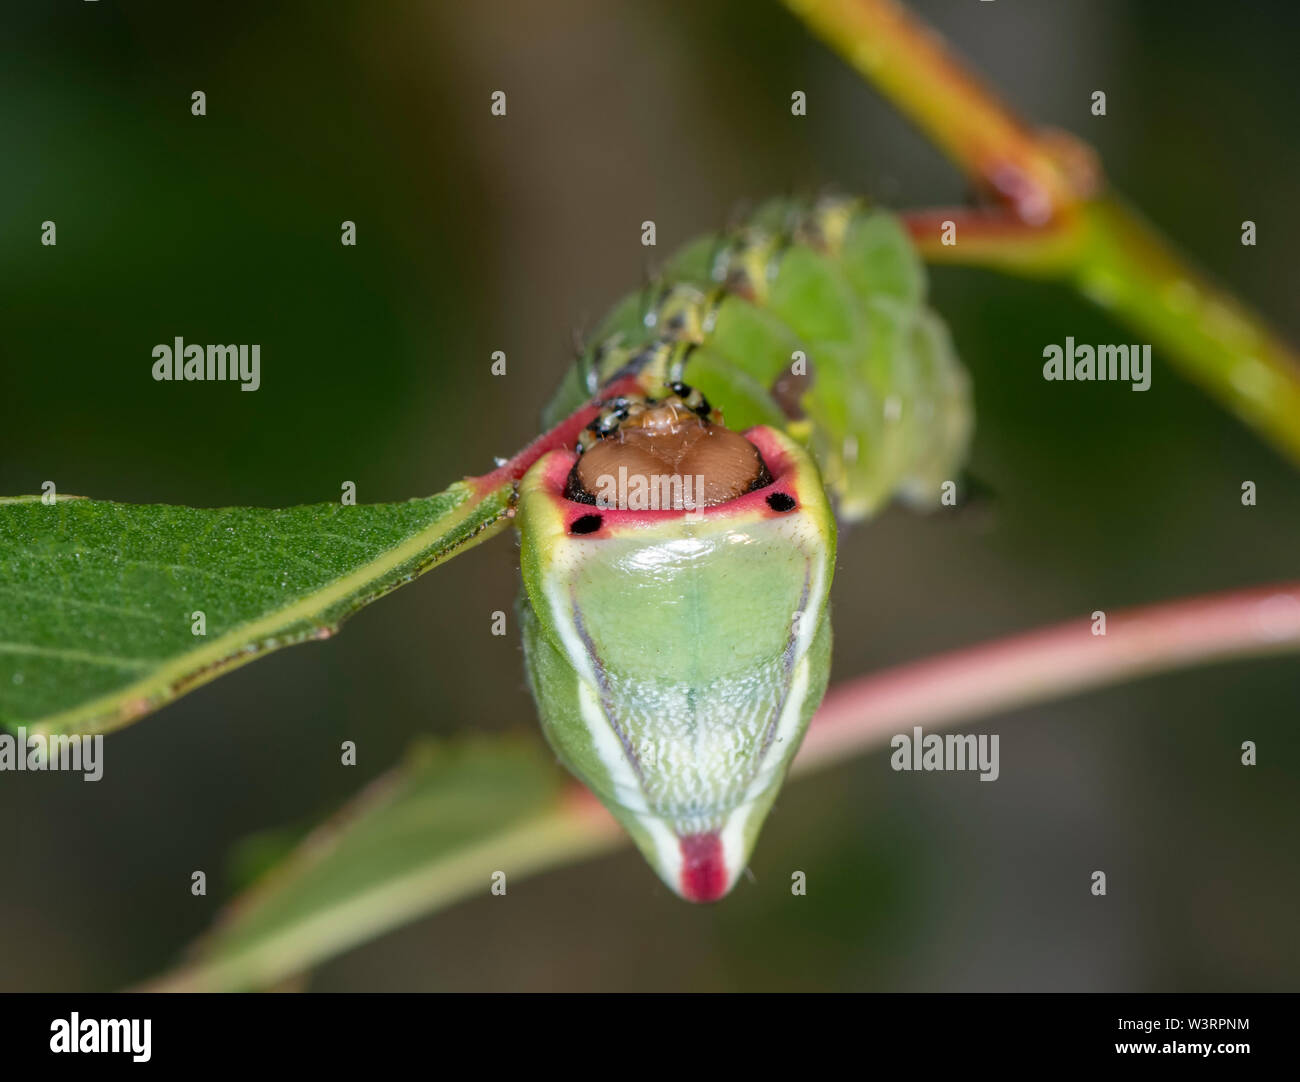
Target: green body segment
(676,663)
(811,318)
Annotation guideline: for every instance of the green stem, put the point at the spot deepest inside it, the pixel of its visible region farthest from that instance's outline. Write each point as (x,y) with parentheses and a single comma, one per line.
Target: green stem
(576,829)
(1057,222)
(910,64)
(1128,269)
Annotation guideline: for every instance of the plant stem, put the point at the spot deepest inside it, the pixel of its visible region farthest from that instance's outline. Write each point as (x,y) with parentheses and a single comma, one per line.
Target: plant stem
(1055,220)
(910,64)
(1049,663)
(561,435)
(1129,269)
(995,237)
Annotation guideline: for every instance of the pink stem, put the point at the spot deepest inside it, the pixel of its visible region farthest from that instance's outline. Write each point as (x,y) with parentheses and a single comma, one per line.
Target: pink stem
(994,237)
(1046,664)
(562,435)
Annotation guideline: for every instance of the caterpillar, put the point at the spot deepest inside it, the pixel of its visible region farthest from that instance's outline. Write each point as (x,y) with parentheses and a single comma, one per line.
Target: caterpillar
(677,561)
(811,318)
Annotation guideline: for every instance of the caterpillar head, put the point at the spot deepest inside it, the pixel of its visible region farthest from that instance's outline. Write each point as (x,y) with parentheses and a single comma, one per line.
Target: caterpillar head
(675,624)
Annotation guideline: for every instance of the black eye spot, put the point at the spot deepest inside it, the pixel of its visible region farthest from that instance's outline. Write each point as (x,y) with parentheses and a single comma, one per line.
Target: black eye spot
(585,524)
(778,501)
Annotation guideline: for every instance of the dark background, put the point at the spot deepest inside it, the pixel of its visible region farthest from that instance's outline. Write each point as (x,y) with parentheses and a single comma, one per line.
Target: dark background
(477,233)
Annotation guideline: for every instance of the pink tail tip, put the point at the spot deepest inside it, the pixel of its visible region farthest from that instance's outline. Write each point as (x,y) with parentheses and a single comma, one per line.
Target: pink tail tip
(704,870)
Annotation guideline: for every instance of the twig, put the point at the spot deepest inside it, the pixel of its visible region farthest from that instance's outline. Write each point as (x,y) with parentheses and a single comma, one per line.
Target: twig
(1055,220)
(1050,663)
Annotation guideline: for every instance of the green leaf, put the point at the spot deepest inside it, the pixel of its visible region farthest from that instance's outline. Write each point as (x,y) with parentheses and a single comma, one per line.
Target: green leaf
(98,599)
(434,831)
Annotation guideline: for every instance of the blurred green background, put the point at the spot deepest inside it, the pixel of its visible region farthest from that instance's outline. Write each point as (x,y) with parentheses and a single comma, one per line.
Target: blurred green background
(477,233)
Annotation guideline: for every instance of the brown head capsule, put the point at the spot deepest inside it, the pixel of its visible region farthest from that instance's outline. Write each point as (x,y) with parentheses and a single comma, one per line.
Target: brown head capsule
(666,456)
